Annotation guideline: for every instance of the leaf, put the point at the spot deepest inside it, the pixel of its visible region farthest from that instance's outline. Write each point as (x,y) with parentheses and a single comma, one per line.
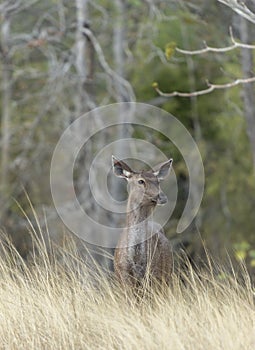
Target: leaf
(252,253)
(244,246)
(240,255)
(170,49)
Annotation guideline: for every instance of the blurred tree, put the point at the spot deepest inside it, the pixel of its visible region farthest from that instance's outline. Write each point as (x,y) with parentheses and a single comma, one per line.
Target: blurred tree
(6,10)
(246,34)
(226,209)
(67,58)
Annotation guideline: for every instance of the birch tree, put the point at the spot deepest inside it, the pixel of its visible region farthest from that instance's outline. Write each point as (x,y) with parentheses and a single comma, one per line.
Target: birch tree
(248,89)
(6,96)
(8,46)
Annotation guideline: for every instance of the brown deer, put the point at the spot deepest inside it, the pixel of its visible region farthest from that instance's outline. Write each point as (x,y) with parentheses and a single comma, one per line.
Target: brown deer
(143,251)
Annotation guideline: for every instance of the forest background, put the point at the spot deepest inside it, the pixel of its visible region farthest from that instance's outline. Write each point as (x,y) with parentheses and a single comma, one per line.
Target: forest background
(60,59)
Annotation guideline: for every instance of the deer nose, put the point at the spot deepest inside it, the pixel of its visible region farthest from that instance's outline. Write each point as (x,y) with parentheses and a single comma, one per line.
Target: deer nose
(162,198)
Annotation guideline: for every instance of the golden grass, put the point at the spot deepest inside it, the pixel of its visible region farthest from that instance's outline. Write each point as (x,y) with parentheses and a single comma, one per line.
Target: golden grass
(56,302)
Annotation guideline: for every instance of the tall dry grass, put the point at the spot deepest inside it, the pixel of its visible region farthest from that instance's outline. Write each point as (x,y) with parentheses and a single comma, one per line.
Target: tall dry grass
(55,301)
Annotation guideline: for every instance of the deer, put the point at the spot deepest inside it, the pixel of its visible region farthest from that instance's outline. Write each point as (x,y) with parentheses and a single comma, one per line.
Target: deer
(143,251)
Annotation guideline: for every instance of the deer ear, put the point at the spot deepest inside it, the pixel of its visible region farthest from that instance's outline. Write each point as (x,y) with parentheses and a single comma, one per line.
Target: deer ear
(163,169)
(121,169)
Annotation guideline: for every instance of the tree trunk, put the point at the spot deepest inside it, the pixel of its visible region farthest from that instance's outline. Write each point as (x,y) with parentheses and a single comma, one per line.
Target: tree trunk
(121,93)
(81,66)
(248,89)
(6,102)
(84,103)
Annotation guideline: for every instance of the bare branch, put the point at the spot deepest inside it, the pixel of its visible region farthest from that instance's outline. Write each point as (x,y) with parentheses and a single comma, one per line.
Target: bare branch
(14,7)
(217,49)
(8,6)
(211,87)
(88,33)
(240,8)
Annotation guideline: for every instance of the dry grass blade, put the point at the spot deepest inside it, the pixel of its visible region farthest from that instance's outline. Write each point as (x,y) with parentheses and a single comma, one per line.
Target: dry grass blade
(60,303)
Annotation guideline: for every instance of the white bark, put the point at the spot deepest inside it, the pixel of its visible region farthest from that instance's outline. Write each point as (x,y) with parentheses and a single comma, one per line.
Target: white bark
(6,101)
(240,8)
(122,93)
(81,67)
(248,89)
(81,15)
(118,44)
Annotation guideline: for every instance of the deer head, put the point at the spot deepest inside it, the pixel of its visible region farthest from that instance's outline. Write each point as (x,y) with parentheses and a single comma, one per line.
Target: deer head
(143,187)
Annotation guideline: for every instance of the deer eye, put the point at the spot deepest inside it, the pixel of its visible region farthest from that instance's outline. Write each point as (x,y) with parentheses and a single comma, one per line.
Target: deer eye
(141,182)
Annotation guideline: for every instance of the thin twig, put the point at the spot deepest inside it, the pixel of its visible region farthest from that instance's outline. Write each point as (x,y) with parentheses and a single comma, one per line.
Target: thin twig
(217,49)
(240,8)
(211,87)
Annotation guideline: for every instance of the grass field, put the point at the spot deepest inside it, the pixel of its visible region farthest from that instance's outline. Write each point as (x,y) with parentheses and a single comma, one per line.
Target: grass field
(56,302)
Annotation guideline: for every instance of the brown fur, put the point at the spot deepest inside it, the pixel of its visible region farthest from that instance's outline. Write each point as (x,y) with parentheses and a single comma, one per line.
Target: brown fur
(142,252)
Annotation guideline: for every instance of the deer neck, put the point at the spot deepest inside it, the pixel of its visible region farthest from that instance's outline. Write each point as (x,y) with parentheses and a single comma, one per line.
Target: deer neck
(138,216)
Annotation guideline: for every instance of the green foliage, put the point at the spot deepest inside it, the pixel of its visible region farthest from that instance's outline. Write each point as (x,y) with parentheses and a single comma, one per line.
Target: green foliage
(245,253)
(229,192)
(170,50)
(215,120)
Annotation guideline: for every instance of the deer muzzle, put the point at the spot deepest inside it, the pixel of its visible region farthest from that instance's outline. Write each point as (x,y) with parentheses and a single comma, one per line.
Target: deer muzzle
(162,198)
